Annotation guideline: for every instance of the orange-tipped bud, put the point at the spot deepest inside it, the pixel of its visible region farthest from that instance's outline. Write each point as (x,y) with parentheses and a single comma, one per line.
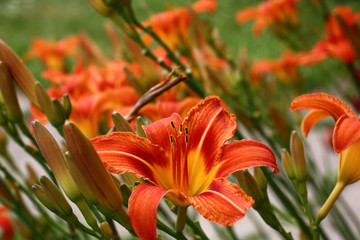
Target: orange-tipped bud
(120,123)
(8,92)
(21,74)
(55,158)
(106,229)
(54,194)
(298,155)
(90,174)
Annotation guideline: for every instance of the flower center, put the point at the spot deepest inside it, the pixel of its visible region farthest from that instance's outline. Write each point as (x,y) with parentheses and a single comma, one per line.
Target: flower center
(179,159)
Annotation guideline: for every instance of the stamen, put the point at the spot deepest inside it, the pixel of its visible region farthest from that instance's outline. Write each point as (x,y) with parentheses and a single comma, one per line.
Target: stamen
(186,130)
(187,138)
(172,139)
(173,126)
(181,128)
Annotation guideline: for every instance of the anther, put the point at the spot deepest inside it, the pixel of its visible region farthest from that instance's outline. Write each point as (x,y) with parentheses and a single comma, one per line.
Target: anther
(173,126)
(186,130)
(172,139)
(181,129)
(187,138)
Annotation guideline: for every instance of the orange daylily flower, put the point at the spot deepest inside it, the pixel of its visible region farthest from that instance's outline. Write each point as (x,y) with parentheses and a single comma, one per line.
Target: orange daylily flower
(268,13)
(346,134)
(285,68)
(173,26)
(187,161)
(53,54)
(337,44)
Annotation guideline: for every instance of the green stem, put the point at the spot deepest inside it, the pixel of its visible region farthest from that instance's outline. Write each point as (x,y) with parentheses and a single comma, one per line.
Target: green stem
(195,226)
(181,218)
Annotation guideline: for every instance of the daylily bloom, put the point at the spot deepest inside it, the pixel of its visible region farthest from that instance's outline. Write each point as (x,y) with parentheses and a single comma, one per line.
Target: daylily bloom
(286,67)
(187,161)
(268,13)
(337,44)
(346,135)
(52,53)
(346,138)
(173,26)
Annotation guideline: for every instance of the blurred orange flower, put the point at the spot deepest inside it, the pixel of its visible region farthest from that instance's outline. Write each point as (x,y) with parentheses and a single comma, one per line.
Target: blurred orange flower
(337,44)
(173,26)
(51,53)
(270,12)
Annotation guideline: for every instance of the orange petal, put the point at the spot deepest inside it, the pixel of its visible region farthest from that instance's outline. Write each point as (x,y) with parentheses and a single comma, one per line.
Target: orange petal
(322,101)
(244,154)
(159,132)
(209,127)
(224,202)
(346,132)
(122,152)
(311,119)
(247,14)
(143,204)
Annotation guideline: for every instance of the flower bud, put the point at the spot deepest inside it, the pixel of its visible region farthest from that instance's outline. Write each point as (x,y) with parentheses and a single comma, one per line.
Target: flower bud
(90,175)
(106,229)
(8,92)
(120,123)
(21,74)
(66,104)
(58,115)
(40,194)
(125,192)
(56,160)
(56,197)
(297,153)
(288,165)
(139,129)
(32,178)
(249,185)
(260,179)
(102,8)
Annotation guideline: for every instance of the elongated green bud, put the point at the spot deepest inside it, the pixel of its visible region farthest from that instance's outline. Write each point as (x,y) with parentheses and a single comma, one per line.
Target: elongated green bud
(8,92)
(21,74)
(298,155)
(250,186)
(120,123)
(139,123)
(56,197)
(260,179)
(66,104)
(288,165)
(55,158)
(90,174)
(43,198)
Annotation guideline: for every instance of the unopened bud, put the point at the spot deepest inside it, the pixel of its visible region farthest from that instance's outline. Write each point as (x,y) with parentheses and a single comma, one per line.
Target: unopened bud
(250,186)
(288,165)
(55,195)
(140,121)
(90,174)
(21,74)
(120,123)
(298,155)
(9,94)
(260,178)
(102,8)
(32,178)
(55,158)
(125,192)
(58,114)
(43,198)
(66,104)
(106,229)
